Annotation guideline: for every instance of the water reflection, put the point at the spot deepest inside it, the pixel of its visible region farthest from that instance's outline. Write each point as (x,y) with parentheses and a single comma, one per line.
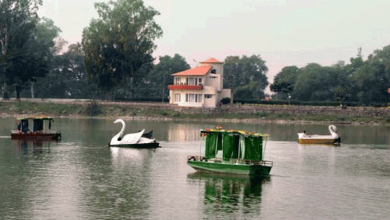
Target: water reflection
(230,194)
(183,132)
(38,147)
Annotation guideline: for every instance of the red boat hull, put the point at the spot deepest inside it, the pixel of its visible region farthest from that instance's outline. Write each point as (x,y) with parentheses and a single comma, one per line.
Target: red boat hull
(56,136)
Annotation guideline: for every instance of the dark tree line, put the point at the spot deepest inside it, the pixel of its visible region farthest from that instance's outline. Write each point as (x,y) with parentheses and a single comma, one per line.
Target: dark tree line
(361,81)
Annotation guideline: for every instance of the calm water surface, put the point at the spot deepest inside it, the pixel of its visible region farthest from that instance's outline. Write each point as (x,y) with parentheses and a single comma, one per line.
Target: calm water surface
(81,178)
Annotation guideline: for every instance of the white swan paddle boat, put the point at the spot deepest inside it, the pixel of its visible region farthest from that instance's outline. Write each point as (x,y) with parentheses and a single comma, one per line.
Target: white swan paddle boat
(134,140)
(333,138)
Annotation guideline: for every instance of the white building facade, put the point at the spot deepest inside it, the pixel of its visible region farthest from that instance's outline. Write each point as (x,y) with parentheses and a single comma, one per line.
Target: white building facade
(201,86)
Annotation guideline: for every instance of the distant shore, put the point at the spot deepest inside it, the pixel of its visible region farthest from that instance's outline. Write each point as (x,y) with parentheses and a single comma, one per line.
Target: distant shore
(244,113)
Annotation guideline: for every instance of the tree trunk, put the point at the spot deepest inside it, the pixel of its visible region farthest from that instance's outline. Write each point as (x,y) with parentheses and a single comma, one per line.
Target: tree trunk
(4,44)
(17,88)
(4,91)
(32,89)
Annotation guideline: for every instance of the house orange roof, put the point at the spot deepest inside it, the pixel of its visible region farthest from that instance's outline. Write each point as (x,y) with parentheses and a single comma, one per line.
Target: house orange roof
(211,60)
(197,71)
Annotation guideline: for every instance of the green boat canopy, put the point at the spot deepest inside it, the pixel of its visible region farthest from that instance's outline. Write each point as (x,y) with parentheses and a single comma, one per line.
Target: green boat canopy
(234,144)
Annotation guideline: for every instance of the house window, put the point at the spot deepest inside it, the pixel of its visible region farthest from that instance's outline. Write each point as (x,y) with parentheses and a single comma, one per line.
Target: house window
(212,77)
(191,81)
(200,81)
(177,97)
(193,97)
(207,96)
(177,80)
(198,98)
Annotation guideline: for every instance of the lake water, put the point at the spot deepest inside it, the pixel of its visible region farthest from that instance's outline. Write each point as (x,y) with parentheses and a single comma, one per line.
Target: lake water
(81,178)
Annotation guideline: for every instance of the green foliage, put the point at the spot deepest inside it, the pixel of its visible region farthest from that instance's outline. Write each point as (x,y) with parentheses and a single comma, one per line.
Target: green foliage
(21,59)
(246,76)
(93,108)
(284,82)
(225,100)
(67,78)
(120,42)
(155,83)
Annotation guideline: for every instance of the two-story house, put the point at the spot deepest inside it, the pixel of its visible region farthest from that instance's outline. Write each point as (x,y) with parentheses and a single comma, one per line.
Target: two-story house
(201,86)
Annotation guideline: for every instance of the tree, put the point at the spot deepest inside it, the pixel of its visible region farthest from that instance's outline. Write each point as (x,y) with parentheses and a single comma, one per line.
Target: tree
(34,56)
(240,72)
(372,78)
(67,78)
(284,81)
(120,42)
(159,78)
(315,83)
(17,20)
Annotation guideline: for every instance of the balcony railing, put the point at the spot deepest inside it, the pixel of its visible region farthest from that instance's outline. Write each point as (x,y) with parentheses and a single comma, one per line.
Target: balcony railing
(185,87)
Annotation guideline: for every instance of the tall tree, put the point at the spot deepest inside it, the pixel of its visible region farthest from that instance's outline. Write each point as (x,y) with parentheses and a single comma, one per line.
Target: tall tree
(373,77)
(17,20)
(160,77)
(35,55)
(284,81)
(67,78)
(120,42)
(316,83)
(244,71)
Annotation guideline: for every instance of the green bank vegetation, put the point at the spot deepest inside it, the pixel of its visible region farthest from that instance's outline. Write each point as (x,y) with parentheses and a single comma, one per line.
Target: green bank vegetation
(95,109)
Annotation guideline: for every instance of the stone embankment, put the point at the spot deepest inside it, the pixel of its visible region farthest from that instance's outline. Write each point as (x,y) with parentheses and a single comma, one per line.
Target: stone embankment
(367,112)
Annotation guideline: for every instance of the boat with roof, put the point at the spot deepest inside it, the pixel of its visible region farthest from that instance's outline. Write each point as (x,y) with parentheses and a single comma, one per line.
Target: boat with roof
(38,132)
(233,152)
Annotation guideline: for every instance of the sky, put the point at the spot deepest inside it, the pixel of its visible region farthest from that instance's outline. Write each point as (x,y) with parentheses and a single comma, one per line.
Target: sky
(282,32)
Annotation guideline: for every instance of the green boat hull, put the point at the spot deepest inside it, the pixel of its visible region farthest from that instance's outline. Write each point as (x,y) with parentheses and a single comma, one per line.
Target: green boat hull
(221,167)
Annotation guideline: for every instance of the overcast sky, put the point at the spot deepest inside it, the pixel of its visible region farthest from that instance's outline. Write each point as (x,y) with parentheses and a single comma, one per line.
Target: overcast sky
(282,32)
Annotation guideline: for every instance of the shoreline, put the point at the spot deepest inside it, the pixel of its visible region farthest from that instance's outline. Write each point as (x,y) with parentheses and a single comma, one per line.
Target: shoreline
(223,120)
(233,113)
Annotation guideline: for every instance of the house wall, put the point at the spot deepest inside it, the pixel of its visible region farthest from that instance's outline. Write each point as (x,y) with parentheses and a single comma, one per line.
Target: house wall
(212,88)
(227,93)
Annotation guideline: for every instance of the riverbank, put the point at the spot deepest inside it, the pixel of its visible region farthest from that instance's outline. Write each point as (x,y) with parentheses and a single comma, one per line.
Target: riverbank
(247,113)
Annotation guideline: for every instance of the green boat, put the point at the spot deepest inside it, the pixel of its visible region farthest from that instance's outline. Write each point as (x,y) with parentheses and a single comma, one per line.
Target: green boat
(233,152)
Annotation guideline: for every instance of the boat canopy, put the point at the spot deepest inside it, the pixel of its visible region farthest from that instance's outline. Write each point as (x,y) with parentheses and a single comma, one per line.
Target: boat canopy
(42,117)
(234,144)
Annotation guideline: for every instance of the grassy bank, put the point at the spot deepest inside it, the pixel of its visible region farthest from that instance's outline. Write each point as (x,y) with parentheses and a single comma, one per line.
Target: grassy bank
(234,113)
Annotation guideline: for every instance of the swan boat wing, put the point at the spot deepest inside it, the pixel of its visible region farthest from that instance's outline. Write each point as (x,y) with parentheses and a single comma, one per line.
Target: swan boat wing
(132,138)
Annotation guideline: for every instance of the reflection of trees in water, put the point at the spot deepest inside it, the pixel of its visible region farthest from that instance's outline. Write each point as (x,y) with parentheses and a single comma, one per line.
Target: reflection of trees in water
(227,194)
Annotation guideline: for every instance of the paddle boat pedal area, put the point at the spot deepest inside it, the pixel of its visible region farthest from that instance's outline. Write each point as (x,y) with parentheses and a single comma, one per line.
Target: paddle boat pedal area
(232,152)
(38,132)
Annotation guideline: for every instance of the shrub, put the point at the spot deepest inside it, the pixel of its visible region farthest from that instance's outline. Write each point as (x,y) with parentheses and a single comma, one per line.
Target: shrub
(93,108)
(225,100)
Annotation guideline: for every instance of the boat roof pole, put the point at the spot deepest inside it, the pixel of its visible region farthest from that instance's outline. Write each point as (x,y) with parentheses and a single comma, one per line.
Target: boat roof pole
(216,146)
(239,147)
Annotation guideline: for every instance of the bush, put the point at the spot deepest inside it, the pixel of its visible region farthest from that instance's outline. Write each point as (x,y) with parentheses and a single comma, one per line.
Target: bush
(93,108)
(225,100)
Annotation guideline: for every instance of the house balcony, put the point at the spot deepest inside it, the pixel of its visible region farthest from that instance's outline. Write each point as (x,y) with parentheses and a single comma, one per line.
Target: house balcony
(185,87)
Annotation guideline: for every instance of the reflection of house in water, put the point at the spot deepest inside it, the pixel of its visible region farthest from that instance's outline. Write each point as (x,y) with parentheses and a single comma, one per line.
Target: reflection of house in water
(228,196)
(183,132)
